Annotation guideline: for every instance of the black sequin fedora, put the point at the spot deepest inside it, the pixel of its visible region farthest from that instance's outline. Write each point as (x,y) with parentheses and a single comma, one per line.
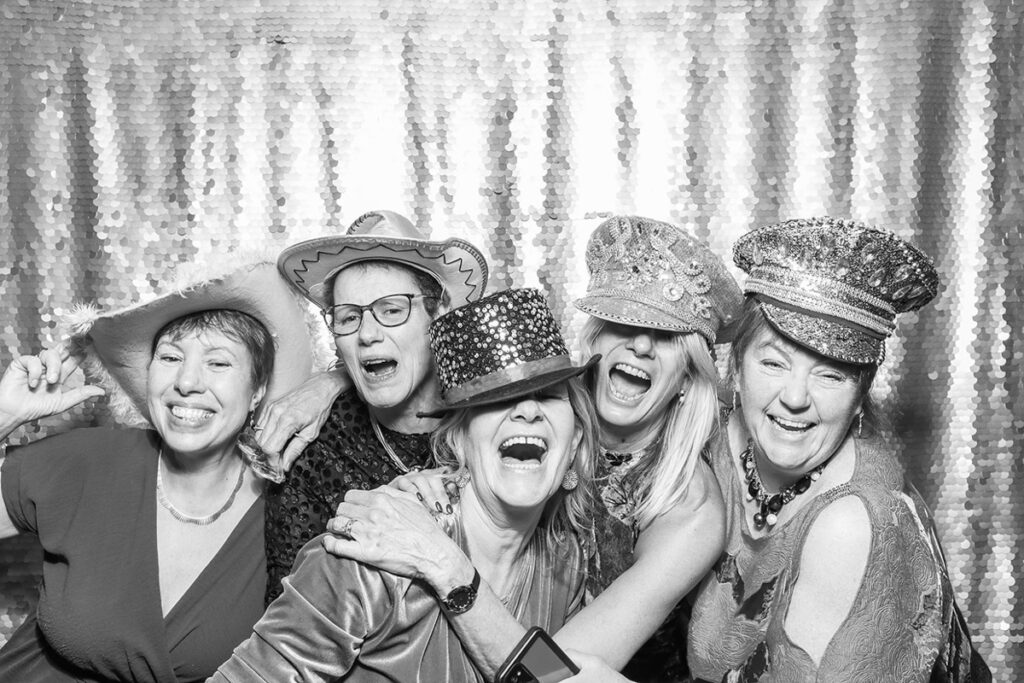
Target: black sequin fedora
(501,347)
(835,285)
(456,264)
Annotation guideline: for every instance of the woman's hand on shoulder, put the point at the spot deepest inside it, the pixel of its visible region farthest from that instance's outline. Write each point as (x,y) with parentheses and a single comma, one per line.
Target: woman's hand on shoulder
(33,387)
(832,565)
(593,669)
(435,488)
(393,531)
(288,424)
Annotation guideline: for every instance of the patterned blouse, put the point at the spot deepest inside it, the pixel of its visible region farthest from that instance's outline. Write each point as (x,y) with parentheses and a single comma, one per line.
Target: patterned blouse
(660,659)
(904,624)
(346,455)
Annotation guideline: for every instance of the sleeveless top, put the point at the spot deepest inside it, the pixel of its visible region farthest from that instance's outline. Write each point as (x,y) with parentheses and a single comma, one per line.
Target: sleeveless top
(661,658)
(904,624)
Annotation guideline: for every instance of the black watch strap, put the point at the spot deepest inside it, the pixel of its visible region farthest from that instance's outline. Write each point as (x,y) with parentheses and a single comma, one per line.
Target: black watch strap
(461,598)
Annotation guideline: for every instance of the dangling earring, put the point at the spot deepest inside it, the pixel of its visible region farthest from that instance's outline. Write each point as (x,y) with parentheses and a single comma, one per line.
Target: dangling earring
(860,424)
(570,480)
(735,400)
(682,396)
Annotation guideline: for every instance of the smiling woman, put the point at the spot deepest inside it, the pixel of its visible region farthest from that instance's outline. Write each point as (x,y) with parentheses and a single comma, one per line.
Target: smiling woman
(169,518)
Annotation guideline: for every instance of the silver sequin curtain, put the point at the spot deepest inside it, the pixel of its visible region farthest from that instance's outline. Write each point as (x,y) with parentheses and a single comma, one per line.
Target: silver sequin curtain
(135,136)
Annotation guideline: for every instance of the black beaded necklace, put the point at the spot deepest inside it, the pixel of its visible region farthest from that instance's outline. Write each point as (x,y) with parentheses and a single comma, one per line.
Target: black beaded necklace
(771,504)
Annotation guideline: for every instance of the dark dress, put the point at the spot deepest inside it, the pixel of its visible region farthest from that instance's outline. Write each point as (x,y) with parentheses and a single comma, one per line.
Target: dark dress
(660,659)
(339,619)
(904,624)
(346,455)
(90,497)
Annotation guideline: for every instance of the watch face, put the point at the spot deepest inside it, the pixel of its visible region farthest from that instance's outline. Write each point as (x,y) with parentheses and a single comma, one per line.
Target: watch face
(460,599)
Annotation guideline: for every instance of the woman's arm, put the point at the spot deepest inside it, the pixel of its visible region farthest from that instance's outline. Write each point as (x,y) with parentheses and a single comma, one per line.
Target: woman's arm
(33,387)
(672,555)
(393,532)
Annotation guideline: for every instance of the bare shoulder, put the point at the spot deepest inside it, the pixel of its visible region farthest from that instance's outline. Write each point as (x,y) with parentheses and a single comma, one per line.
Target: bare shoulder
(696,524)
(840,534)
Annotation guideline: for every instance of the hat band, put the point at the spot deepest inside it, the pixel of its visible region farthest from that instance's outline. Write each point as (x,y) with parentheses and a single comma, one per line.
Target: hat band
(831,306)
(505,376)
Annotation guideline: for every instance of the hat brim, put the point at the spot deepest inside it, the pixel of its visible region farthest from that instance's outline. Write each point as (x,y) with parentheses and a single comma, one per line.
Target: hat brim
(825,336)
(122,340)
(517,389)
(620,308)
(456,264)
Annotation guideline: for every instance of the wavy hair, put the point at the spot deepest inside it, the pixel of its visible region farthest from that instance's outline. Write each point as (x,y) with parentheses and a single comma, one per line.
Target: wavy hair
(566,512)
(688,424)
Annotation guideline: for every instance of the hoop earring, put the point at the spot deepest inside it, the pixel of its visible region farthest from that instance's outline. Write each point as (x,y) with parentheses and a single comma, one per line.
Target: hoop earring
(860,424)
(570,480)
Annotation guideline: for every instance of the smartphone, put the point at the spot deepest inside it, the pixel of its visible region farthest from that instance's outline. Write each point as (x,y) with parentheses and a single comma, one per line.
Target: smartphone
(536,659)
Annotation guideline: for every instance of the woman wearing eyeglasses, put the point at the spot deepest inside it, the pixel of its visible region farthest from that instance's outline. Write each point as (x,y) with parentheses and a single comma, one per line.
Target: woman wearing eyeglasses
(379,287)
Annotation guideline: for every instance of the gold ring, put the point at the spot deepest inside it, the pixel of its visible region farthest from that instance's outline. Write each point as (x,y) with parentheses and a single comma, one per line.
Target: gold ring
(346,528)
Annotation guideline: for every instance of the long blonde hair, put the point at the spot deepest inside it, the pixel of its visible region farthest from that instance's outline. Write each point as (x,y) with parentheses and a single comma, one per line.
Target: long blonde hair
(688,425)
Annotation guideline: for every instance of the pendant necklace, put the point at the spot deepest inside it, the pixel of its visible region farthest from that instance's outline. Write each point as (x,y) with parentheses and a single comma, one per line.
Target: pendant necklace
(402,467)
(771,504)
(181,516)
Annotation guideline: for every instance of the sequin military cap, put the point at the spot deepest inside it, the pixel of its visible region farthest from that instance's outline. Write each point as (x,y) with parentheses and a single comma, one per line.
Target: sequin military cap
(652,274)
(501,347)
(835,285)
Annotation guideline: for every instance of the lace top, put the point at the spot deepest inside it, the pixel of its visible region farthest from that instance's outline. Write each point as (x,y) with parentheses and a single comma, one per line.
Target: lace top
(620,489)
(903,621)
(346,455)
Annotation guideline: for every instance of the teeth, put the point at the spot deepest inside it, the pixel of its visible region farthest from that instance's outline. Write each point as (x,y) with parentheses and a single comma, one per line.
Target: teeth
(523,440)
(191,414)
(635,372)
(792,425)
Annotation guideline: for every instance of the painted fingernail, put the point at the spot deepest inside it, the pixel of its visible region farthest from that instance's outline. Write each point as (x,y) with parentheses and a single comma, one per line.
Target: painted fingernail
(420,496)
(438,506)
(448,509)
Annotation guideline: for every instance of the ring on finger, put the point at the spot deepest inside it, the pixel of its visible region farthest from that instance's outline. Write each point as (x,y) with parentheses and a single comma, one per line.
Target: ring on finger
(346,528)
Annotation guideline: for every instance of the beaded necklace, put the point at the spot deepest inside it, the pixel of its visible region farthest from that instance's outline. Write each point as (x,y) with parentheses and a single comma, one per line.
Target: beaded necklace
(181,516)
(771,504)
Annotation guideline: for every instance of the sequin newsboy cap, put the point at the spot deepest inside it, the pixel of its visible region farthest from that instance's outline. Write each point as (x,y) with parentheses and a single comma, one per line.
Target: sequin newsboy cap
(648,273)
(501,347)
(835,285)
(384,236)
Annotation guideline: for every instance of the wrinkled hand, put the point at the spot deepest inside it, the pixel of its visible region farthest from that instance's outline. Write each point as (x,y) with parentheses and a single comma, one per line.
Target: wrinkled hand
(592,669)
(435,488)
(290,423)
(392,531)
(33,387)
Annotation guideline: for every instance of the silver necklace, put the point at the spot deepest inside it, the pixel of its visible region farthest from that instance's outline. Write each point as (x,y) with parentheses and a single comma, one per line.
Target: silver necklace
(402,467)
(181,516)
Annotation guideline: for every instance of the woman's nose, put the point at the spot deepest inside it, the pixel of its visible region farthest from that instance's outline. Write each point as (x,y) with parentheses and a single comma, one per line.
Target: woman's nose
(795,393)
(641,344)
(190,377)
(527,409)
(369,329)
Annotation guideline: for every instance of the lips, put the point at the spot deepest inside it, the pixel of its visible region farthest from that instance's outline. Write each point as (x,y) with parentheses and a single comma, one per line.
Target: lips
(522,452)
(628,382)
(190,415)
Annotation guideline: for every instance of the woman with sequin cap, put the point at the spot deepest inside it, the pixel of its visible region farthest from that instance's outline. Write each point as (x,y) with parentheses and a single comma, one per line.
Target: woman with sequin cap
(832,570)
(379,286)
(658,298)
(518,426)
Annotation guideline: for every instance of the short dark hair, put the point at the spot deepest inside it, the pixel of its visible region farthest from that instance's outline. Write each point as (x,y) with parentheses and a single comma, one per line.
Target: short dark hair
(434,294)
(236,325)
(749,326)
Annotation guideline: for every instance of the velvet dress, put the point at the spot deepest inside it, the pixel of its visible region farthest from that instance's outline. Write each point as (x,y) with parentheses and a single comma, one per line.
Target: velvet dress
(90,497)
(338,619)
(346,455)
(904,624)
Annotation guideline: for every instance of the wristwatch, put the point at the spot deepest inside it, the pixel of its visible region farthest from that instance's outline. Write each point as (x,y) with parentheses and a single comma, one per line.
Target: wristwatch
(461,598)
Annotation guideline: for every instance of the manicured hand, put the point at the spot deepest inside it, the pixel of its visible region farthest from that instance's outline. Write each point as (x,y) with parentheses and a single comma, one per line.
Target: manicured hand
(436,488)
(288,424)
(592,669)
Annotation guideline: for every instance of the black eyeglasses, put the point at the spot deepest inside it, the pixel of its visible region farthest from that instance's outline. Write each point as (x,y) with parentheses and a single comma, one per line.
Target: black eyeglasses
(390,311)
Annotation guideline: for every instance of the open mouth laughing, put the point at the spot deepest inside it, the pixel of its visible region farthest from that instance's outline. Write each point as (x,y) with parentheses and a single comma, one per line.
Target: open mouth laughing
(379,368)
(522,452)
(628,382)
(191,416)
(791,426)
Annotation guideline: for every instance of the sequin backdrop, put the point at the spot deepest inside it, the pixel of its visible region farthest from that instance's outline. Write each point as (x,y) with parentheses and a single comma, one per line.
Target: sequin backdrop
(138,135)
